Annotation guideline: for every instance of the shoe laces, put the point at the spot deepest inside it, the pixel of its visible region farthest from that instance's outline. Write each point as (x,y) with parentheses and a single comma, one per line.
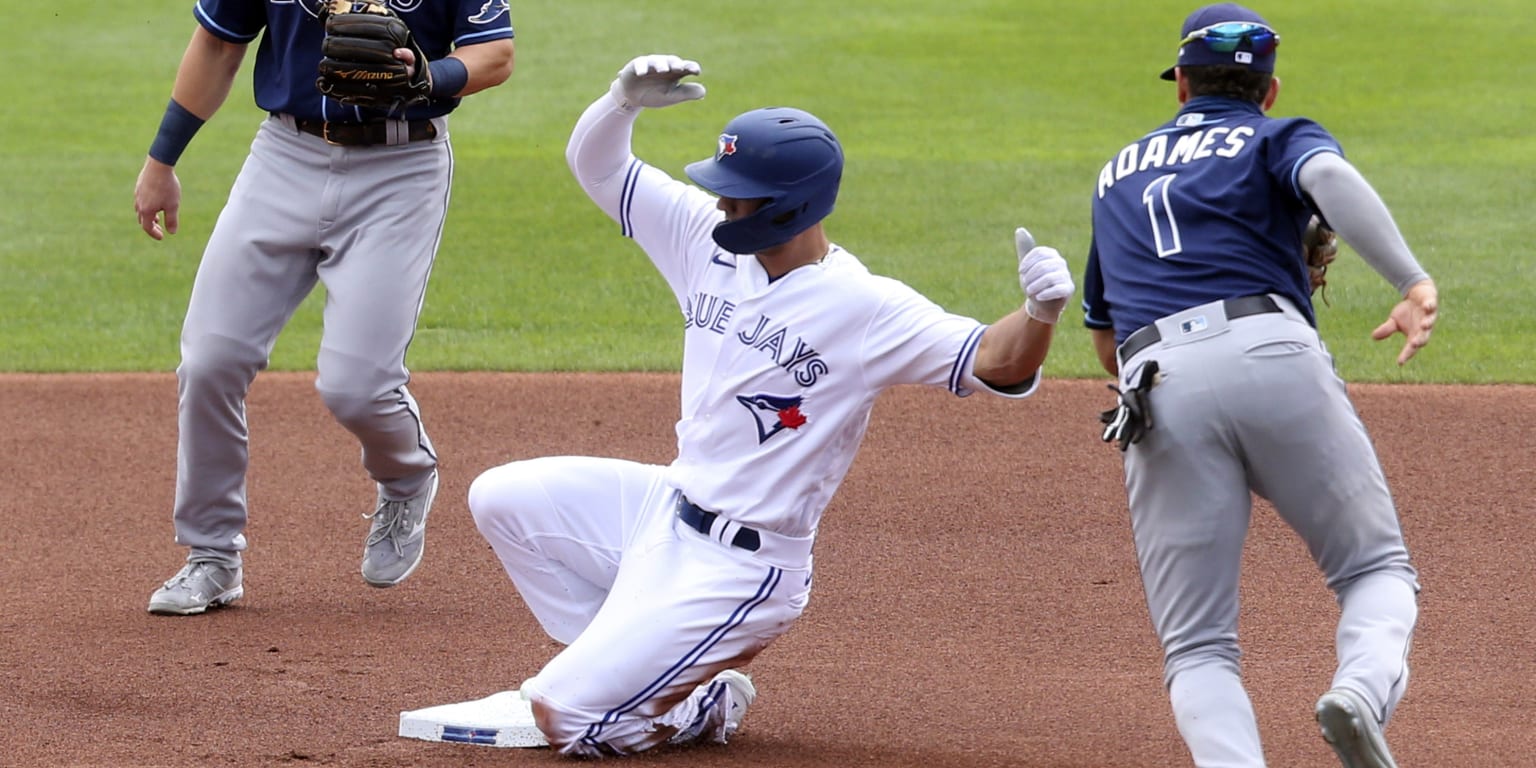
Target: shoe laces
(187,572)
(388,522)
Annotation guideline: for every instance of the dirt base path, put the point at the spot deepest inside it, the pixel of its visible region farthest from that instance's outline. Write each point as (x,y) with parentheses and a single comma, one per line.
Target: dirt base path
(977,600)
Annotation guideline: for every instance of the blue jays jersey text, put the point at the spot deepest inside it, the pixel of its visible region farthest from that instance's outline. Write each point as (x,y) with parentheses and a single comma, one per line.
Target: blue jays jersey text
(794,355)
(290,32)
(1204,208)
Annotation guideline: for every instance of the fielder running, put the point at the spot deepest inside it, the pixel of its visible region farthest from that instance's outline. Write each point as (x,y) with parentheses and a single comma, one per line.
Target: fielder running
(664,581)
(345,195)
(1199,298)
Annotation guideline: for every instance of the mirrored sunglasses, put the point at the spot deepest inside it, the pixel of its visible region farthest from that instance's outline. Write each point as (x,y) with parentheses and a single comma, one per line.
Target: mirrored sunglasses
(1236,36)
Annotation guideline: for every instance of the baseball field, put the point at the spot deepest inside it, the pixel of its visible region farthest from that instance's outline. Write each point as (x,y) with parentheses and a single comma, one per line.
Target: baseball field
(977,600)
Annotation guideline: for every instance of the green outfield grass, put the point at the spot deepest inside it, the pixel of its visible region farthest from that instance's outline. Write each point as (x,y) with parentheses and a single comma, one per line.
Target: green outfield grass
(961,119)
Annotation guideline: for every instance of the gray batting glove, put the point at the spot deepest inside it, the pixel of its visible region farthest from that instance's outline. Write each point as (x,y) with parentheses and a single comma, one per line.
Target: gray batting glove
(1044,276)
(655,81)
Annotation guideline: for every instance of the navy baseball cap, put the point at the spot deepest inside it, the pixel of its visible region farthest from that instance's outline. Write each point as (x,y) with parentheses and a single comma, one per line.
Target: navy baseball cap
(1226,33)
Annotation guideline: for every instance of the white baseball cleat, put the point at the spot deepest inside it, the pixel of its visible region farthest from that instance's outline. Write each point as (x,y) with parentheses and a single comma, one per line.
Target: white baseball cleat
(1350,727)
(723,702)
(741,694)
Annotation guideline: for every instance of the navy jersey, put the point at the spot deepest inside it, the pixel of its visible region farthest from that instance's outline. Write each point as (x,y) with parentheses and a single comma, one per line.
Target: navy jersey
(288,57)
(1204,208)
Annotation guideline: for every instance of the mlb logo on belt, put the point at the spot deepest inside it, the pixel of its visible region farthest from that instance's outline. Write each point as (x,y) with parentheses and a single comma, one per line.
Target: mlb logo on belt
(1194,325)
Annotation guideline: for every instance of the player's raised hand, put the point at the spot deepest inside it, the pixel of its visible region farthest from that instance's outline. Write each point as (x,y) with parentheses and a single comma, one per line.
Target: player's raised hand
(655,80)
(1044,276)
(1414,317)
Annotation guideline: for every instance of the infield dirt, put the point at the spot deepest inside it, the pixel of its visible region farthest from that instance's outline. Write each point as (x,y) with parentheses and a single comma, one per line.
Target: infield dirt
(977,601)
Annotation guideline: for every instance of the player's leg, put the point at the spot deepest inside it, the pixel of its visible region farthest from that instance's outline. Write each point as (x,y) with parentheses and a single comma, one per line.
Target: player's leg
(1190,509)
(655,617)
(380,231)
(255,271)
(653,666)
(560,525)
(1321,472)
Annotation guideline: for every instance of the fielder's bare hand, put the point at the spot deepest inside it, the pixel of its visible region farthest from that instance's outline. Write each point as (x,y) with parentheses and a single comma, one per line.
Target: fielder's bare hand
(157,192)
(1414,317)
(655,81)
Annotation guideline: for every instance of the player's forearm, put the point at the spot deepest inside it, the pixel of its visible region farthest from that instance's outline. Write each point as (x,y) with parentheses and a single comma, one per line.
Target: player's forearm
(599,151)
(203,81)
(1012,349)
(1104,347)
(1354,210)
(207,72)
(489,64)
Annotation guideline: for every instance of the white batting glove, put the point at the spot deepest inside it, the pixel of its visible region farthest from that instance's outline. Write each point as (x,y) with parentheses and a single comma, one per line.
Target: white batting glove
(1044,276)
(655,81)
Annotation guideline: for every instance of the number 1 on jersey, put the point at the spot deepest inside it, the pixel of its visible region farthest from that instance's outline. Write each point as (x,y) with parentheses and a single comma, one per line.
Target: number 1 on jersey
(1165,230)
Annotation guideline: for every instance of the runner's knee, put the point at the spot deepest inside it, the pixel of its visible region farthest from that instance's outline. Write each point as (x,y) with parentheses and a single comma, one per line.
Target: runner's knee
(498,493)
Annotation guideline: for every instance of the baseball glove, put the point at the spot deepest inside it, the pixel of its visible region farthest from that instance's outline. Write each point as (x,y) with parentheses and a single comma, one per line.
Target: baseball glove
(359,65)
(1320,246)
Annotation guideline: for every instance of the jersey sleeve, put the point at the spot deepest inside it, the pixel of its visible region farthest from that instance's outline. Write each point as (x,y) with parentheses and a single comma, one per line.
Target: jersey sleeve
(911,340)
(232,21)
(1095,306)
(670,220)
(1296,141)
(667,218)
(481,21)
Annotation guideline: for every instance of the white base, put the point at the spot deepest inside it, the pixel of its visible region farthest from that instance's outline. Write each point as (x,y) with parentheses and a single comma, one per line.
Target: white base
(500,720)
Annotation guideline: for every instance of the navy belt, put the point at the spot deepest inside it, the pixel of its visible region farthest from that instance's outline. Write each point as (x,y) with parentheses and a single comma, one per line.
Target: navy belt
(1147,335)
(703,520)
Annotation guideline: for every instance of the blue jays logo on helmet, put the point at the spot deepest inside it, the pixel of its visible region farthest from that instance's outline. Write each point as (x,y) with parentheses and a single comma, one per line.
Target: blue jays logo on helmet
(492,10)
(727,146)
(773,413)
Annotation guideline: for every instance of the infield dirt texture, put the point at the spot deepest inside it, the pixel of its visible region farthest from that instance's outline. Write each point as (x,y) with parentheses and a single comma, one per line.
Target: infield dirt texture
(977,601)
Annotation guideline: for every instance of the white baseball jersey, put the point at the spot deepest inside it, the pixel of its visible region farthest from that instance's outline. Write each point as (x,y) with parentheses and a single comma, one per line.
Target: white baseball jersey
(778,377)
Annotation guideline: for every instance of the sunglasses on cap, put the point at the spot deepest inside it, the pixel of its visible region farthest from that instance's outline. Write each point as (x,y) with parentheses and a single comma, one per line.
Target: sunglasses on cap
(1231,35)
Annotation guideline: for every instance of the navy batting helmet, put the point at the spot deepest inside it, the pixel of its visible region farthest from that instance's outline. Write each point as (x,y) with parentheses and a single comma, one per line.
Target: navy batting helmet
(785,155)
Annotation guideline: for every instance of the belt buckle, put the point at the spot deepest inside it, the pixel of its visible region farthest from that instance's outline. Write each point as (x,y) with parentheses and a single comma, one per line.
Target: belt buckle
(325,133)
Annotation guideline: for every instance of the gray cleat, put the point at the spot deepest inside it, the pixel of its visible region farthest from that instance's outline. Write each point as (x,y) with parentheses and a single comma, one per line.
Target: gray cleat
(398,537)
(1350,727)
(198,586)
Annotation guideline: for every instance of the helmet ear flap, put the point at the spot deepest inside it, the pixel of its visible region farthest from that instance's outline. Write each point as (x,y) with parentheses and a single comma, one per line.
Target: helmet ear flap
(784,218)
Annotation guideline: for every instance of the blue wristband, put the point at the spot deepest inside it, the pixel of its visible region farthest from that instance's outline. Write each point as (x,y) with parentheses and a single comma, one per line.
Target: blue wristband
(449,76)
(176,131)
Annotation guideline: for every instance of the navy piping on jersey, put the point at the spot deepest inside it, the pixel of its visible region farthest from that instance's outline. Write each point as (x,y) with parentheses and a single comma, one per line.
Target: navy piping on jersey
(967,350)
(627,196)
(765,590)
